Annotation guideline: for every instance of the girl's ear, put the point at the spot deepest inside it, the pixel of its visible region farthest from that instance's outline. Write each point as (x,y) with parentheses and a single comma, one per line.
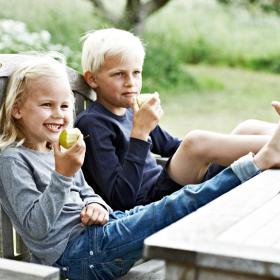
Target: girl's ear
(90,78)
(16,111)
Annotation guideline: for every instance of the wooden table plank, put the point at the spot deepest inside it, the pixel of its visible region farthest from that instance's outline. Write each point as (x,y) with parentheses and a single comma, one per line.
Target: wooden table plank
(260,225)
(237,232)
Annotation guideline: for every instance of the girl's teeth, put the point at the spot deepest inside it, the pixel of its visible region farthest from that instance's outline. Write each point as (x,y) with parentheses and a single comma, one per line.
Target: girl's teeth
(53,126)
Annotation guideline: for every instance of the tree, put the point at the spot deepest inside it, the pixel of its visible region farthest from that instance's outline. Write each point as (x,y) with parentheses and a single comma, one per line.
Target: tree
(134,15)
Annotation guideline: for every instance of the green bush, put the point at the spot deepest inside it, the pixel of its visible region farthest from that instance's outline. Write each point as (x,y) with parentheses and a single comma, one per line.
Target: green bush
(163,66)
(208,32)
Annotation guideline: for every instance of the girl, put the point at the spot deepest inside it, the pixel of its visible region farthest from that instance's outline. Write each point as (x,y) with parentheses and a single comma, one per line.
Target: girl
(43,191)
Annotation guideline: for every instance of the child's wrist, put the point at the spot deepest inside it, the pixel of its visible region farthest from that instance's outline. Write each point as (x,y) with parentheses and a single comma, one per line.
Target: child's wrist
(138,134)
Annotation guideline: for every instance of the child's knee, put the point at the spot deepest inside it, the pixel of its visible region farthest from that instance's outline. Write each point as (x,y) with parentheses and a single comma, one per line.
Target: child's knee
(250,126)
(195,142)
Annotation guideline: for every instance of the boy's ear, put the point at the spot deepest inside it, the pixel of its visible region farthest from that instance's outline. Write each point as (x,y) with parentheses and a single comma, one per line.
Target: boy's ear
(90,78)
(16,111)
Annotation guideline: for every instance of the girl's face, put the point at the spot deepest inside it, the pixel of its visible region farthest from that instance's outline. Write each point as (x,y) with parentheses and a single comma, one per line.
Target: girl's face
(45,112)
(117,83)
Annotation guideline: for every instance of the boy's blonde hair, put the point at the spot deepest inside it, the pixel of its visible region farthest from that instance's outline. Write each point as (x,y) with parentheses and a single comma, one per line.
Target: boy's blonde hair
(38,67)
(109,42)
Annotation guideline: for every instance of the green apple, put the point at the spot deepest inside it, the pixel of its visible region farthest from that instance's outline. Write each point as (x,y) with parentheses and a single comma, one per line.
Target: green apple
(68,137)
(145,97)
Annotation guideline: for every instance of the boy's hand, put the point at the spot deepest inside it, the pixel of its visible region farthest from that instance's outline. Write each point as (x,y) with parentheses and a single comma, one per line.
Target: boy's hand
(146,118)
(94,214)
(68,162)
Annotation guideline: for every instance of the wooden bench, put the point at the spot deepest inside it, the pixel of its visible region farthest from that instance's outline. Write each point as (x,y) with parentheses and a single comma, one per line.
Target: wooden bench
(236,236)
(11,245)
(11,270)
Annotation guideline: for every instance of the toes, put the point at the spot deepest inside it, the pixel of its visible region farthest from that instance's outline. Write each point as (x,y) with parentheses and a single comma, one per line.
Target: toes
(276,105)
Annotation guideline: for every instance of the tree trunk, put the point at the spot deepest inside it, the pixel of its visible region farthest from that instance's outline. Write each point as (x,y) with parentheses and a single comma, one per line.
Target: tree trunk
(135,13)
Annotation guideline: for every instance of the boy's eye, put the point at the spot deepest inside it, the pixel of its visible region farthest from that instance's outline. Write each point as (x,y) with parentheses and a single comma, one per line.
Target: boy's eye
(118,74)
(65,106)
(137,72)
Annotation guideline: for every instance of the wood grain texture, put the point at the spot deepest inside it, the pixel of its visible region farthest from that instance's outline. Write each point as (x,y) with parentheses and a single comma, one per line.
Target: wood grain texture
(238,233)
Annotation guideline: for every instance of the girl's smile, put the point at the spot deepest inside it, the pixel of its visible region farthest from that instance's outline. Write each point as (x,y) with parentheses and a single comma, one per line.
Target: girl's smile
(45,111)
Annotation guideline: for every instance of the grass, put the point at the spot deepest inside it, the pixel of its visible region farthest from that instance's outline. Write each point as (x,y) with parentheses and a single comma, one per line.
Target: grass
(236,95)
(206,32)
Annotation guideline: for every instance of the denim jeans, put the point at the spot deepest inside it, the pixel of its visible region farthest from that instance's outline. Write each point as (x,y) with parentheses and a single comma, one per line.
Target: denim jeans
(107,252)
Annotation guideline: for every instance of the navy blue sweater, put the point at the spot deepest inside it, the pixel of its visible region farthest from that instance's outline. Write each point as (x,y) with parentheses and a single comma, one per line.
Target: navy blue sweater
(121,169)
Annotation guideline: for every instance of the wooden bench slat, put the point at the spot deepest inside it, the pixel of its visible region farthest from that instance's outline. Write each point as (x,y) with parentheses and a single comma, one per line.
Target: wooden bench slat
(6,237)
(12,270)
(8,62)
(149,270)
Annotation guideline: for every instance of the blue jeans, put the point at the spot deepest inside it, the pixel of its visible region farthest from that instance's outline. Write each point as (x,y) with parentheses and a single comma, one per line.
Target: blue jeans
(107,252)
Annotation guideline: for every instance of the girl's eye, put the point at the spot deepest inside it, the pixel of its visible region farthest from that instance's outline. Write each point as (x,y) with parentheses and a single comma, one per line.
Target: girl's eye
(137,72)
(46,105)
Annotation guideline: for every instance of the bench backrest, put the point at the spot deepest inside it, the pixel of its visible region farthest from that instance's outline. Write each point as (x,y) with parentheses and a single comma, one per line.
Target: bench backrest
(11,246)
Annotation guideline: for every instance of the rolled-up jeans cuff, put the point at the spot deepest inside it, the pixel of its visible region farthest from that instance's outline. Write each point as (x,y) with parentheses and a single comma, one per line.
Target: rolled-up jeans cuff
(245,167)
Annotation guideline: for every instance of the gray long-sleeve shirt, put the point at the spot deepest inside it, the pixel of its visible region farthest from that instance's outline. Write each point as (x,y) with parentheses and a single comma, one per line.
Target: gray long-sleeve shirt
(43,205)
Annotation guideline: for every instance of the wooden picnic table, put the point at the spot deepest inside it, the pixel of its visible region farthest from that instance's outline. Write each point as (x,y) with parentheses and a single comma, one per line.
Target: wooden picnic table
(236,236)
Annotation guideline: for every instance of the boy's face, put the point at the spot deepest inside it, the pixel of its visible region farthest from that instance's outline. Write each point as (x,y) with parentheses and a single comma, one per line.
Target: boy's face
(117,83)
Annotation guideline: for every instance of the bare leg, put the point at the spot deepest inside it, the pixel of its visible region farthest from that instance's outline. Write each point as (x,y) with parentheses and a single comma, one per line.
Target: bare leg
(255,127)
(199,148)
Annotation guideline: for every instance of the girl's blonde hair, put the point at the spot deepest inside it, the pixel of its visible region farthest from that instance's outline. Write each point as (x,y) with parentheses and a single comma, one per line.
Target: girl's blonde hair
(109,42)
(37,67)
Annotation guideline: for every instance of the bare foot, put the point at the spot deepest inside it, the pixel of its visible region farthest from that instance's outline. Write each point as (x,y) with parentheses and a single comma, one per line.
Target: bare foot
(276,105)
(269,155)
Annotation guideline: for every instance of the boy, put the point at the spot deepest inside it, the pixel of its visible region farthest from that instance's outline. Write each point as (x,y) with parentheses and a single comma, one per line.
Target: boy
(119,161)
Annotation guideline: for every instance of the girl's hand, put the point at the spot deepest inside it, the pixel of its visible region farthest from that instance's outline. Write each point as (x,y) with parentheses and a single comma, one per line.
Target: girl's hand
(146,118)
(68,162)
(94,214)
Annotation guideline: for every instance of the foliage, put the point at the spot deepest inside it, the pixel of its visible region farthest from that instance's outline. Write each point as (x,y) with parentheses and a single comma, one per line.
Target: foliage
(66,21)
(16,38)
(163,65)
(207,32)
(209,95)
(265,5)
(193,31)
